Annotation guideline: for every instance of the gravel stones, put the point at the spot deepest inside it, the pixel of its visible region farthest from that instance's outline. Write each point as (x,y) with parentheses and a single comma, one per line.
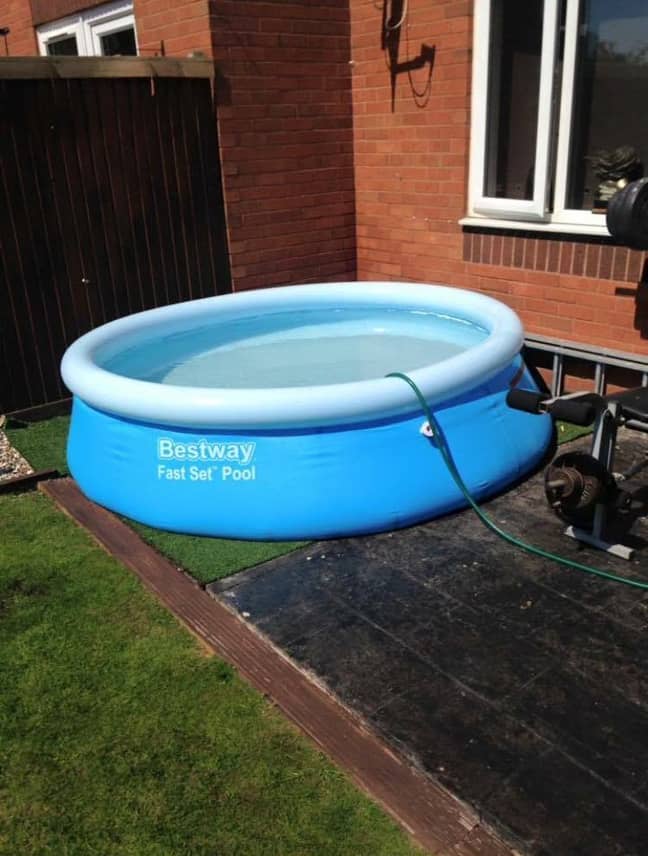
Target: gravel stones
(12,463)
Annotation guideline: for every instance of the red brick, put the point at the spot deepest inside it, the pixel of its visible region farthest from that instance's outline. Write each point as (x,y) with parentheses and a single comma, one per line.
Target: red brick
(606,262)
(325,177)
(592,260)
(620,263)
(21,40)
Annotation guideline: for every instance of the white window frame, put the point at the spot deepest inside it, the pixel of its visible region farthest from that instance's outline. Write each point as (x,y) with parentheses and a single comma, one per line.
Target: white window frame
(534,213)
(89,26)
(104,20)
(58,30)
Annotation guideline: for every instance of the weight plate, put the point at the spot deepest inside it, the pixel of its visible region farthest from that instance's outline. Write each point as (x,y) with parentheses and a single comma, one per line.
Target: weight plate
(618,215)
(627,215)
(638,238)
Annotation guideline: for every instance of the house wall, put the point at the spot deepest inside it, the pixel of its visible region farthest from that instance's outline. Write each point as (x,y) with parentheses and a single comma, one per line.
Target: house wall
(285,121)
(411,172)
(44,11)
(21,41)
(173,28)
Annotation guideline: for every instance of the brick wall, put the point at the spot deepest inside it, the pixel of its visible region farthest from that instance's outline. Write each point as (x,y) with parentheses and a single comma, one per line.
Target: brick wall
(411,167)
(169,28)
(21,41)
(284,104)
(285,123)
(588,290)
(51,10)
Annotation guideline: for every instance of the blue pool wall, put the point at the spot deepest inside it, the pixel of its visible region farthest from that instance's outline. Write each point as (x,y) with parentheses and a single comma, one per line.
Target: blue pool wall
(305,483)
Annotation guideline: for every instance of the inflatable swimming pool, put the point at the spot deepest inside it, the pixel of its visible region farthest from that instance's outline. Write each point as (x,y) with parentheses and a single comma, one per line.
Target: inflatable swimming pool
(267,414)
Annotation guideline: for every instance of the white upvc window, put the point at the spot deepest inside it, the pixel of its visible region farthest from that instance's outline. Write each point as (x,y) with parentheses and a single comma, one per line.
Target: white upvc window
(555,84)
(106,30)
(61,38)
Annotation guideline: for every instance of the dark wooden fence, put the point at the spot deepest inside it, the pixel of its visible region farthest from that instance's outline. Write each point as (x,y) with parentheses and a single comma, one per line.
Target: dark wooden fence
(110,203)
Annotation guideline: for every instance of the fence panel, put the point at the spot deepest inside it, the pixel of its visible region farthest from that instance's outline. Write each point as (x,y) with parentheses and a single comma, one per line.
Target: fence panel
(110,202)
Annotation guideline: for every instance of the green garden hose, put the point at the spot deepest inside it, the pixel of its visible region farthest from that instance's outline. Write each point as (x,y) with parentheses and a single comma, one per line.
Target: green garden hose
(441,443)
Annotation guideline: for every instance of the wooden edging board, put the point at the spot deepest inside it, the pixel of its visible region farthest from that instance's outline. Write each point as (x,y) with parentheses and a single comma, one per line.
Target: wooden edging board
(27,481)
(25,68)
(434,818)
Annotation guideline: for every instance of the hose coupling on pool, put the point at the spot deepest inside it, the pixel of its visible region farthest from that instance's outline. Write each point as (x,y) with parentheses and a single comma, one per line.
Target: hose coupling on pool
(426,430)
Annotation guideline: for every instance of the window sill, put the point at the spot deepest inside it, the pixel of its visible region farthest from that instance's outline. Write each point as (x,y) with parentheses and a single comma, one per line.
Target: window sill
(530,226)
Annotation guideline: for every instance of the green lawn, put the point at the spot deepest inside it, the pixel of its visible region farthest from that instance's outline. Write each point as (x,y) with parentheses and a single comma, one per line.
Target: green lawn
(206,559)
(120,736)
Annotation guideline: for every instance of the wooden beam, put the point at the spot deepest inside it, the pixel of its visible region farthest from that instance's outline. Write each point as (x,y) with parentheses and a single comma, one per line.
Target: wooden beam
(433,817)
(23,68)
(40,412)
(26,482)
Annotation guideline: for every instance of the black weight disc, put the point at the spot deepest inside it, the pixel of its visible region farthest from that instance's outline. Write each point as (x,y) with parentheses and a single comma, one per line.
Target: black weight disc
(627,215)
(639,228)
(618,215)
(575,483)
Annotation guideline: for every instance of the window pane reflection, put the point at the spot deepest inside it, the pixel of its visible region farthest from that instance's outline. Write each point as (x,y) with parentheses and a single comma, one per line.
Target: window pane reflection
(514,85)
(121,43)
(610,94)
(67,46)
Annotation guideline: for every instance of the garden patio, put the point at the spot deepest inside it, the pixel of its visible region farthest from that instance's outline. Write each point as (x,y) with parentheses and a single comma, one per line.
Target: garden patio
(431,687)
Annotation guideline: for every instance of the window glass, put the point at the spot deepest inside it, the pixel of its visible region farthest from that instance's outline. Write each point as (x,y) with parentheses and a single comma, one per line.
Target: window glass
(120,43)
(610,96)
(514,85)
(67,46)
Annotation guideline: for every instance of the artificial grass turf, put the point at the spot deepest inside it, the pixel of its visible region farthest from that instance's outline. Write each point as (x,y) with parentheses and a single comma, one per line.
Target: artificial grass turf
(566,432)
(119,736)
(206,559)
(209,559)
(42,443)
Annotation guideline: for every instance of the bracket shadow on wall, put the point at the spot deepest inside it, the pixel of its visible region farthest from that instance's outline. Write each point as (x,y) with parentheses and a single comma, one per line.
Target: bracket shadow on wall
(394,19)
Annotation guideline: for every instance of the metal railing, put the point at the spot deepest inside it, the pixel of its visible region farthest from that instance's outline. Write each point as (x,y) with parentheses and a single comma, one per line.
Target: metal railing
(601,358)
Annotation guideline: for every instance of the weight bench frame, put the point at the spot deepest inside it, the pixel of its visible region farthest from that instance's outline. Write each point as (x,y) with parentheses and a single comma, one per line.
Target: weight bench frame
(629,409)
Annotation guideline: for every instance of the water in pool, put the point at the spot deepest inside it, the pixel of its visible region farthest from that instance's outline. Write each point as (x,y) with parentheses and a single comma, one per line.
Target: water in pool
(297,348)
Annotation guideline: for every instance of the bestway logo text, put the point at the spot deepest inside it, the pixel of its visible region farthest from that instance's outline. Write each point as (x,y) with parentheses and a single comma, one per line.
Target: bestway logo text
(204,450)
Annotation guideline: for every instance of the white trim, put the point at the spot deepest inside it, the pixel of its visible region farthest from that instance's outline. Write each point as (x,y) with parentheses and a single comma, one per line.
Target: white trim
(531,226)
(57,30)
(578,217)
(545,107)
(536,208)
(517,214)
(566,107)
(89,26)
(479,99)
(105,28)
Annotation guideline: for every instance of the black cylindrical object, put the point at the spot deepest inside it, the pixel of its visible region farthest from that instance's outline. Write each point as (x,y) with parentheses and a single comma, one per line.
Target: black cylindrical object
(526,400)
(627,215)
(574,410)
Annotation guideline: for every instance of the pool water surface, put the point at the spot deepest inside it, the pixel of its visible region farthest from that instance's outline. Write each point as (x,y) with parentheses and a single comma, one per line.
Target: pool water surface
(297,349)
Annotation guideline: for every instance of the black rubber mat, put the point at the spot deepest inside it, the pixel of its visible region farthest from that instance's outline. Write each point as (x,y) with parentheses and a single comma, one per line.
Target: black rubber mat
(520,685)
